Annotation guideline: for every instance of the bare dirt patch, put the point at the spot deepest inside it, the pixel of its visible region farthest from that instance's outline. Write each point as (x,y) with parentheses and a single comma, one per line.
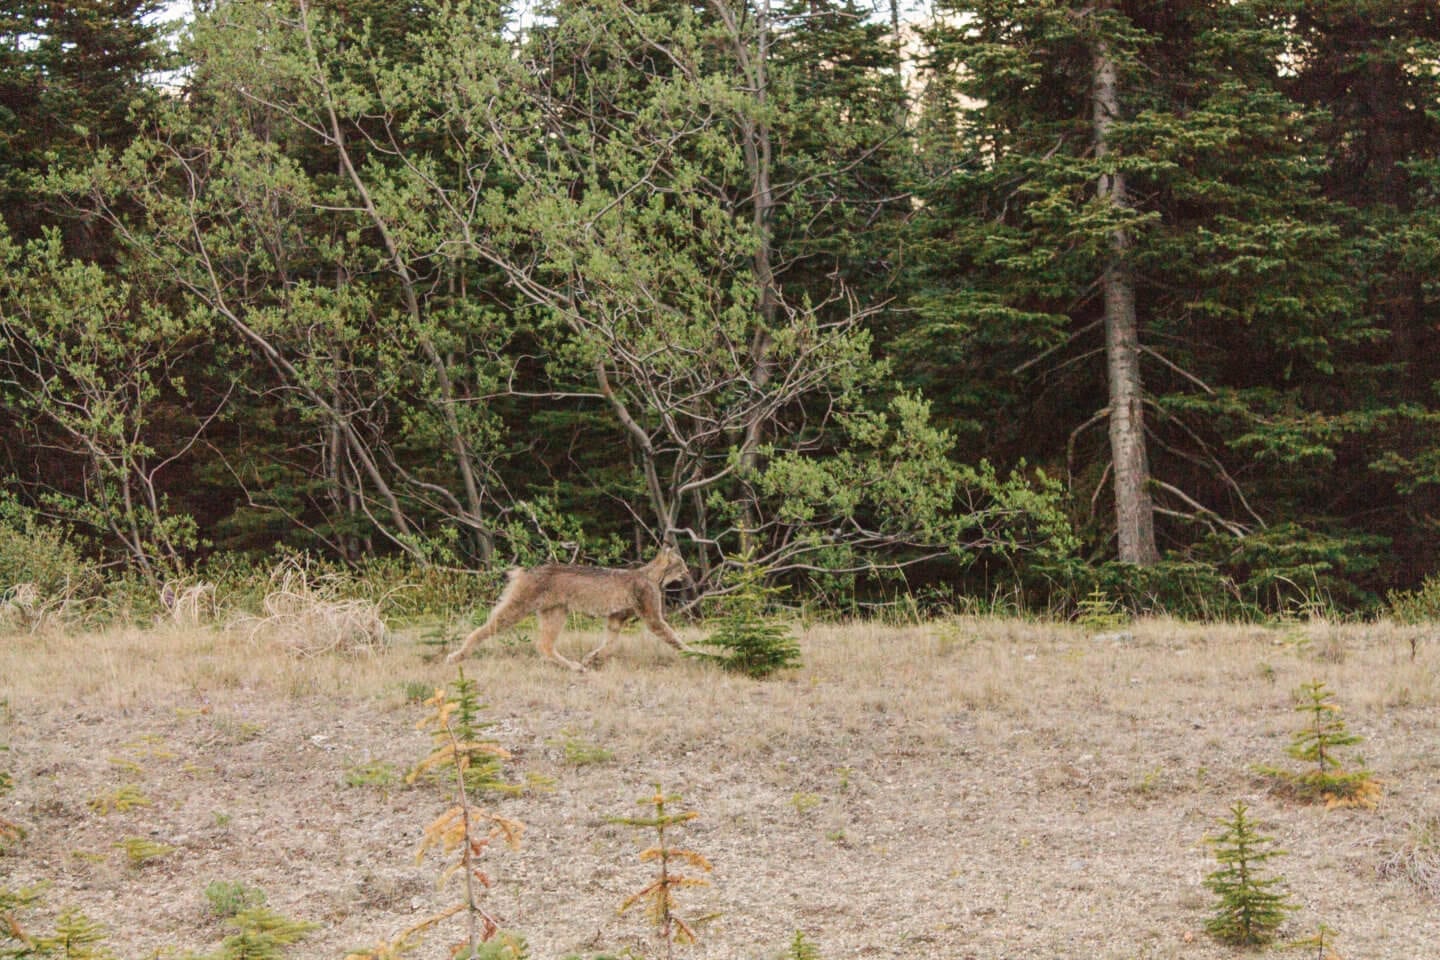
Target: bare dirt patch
(965,789)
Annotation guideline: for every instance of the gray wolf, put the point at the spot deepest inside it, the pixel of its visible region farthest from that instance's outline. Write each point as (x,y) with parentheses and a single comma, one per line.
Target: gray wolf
(554,590)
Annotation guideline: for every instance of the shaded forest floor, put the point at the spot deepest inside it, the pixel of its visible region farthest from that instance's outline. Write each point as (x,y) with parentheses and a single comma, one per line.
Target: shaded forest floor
(965,789)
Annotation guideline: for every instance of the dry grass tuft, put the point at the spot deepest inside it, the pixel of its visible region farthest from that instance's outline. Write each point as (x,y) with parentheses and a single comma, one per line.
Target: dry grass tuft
(19,605)
(306,616)
(23,607)
(1415,858)
(188,604)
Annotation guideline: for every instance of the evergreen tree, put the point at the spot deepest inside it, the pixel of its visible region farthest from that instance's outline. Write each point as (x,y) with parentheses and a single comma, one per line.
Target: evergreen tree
(1315,744)
(1370,71)
(1238,270)
(745,639)
(75,78)
(1251,905)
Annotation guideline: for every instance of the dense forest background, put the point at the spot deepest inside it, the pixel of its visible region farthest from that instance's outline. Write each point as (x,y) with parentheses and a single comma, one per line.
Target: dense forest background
(997,299)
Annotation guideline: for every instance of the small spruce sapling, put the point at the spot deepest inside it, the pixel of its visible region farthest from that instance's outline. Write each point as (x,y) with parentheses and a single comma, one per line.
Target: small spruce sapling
(801,947)
(1322,943)
(1251,906)
(262,934)
(658,896)
(464,831)
(76,937)
(1098,613)
(745,639)
(1316,743)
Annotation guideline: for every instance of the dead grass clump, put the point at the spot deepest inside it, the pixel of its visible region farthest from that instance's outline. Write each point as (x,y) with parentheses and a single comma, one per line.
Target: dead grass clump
(25,607)
(308,616)
(188,604)
(1416,857)
(19,604)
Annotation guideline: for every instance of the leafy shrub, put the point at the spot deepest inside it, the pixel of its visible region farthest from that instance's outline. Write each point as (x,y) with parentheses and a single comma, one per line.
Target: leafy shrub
(1416,606)
(45,554)
(1187,589)
(44,574)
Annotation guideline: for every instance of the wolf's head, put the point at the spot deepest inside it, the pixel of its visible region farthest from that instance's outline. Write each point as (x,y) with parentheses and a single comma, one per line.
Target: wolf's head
(668,566)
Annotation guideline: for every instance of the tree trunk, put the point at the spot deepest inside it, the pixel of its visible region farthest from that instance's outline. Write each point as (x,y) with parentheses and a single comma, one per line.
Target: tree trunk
(1134,510)
(756,145)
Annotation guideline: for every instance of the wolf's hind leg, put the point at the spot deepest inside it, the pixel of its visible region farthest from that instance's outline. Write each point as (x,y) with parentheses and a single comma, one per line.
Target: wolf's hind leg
(505,615)
(552,621)
(485,631)
(613,624)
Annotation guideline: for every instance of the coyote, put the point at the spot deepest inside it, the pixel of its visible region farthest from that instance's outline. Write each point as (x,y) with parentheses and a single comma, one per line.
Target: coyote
(552,590)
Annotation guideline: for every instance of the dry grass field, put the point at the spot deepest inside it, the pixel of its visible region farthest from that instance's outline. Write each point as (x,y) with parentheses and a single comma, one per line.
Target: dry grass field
(963,789)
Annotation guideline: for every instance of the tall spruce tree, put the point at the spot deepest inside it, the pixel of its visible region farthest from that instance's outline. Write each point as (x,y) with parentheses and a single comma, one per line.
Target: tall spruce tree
(1140,152)
(74,78)
(1373,71)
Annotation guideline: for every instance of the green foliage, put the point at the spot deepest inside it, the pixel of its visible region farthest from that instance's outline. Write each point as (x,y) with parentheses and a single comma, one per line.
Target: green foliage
(47,555)
(377,774)
(140,851)
(261,934)
(1098,612)
(1316,743)
(579,752)
(1421,605)
(1288,564)
(122,799)
(460,745)
(421,590)
(1251,905)
(801,947)
(658,896)
(1184,589)
(230,899)
(1263,336)
(90,367)
(746,640)
(441,334)
(76,937)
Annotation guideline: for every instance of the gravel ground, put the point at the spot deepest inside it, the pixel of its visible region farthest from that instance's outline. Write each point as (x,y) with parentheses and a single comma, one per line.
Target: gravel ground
(967,789)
